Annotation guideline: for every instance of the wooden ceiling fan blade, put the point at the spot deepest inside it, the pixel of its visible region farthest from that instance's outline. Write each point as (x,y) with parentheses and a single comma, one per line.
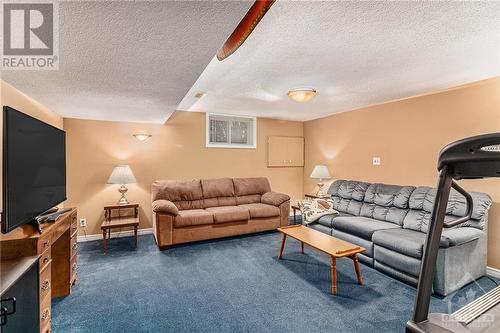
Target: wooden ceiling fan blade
(244,28)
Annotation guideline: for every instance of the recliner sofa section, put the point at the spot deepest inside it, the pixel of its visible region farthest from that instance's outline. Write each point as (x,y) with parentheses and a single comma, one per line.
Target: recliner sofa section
(187,211)
(391,221)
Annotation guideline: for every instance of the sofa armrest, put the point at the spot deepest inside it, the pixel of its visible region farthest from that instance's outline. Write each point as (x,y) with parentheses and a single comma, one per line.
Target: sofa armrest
(165,206)
(274,198)
(459,236)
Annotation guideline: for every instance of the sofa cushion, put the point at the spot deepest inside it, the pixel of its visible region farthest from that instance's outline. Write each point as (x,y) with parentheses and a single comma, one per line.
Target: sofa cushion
(367,244)
(348,189)
(185,194)
(249,186)
(386,202)
(218,192)
(258,210)
(221,187)
(389,195)
(347,195)
(422,199)
(361,226)
(229,213)
(193,217)
(327,220)
(177,190)
(418,220)
(411,243)
(396,260)
(408,242)
(248,199)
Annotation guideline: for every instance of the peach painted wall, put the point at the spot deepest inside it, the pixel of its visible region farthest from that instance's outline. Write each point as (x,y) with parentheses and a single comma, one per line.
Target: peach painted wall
(10,96)
(176,151)
(408,136)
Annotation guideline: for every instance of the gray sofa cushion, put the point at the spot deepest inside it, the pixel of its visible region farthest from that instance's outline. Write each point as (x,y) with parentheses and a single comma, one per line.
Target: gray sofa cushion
(422,199)
(347,195)
(398,261)
(348,189)
(322,228)
(389,195)
(327,220)
(367,244)
(418,220)
(361,226)
(411,243)
(386,202)
(404,241)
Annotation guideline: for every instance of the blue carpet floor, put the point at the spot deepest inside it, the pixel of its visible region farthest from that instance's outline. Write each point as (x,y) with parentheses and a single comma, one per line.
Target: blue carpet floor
(233,285)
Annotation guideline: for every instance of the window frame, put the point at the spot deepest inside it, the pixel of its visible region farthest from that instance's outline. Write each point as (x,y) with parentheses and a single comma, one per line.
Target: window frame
(209,144)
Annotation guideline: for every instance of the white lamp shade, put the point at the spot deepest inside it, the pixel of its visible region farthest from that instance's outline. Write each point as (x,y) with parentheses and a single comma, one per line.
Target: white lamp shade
(122,174)
(320,172)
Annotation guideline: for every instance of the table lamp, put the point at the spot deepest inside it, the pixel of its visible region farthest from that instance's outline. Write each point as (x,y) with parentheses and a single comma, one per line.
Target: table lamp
(122,174)
(320,172)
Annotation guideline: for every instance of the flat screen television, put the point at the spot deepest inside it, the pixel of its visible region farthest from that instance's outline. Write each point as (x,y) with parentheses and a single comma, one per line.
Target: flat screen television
(34,168)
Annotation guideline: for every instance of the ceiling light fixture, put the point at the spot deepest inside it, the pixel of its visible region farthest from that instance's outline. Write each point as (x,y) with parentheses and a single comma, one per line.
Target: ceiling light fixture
(142,137)
(302,95)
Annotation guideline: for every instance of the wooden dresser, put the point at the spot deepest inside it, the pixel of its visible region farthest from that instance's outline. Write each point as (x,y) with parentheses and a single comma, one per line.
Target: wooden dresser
(57,248)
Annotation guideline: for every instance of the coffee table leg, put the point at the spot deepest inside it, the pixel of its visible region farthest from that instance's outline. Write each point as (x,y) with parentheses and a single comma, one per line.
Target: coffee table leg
(302,247)
(282,246)
(358,270)
(333,271)
(104,241)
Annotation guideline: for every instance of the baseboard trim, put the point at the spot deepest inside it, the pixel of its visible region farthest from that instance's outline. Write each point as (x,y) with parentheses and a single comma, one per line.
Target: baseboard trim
(118,234)
(493,272)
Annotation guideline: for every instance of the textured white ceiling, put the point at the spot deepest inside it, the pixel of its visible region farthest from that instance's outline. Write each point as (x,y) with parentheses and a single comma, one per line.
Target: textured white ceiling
(129,61)
(354,53)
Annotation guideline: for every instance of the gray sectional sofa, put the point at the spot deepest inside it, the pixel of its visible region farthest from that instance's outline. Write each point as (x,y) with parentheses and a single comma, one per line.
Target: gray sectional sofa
(391,222)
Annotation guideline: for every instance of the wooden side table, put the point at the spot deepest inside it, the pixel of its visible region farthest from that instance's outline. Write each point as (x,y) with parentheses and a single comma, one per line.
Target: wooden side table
(119,221)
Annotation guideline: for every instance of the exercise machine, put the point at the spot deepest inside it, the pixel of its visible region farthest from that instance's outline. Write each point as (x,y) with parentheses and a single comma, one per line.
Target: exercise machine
(471,158)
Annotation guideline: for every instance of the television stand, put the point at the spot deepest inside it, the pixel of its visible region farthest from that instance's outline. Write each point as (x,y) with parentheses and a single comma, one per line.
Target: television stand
(57,248)
(51,216)
(37,225)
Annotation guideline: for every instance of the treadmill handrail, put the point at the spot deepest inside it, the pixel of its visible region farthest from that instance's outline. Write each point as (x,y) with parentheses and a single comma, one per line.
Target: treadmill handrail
(468,211)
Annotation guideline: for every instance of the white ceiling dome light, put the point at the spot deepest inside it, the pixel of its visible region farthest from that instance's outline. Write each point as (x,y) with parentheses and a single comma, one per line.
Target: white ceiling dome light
(302,95)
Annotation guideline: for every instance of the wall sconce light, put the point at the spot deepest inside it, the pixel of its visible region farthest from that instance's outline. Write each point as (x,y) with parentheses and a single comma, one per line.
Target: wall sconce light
(142,137)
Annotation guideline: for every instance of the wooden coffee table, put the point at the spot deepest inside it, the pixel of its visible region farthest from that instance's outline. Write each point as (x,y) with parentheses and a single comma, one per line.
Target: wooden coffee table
(334,247)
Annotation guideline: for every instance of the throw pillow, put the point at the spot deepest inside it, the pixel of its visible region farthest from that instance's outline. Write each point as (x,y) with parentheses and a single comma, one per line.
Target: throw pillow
(313,209)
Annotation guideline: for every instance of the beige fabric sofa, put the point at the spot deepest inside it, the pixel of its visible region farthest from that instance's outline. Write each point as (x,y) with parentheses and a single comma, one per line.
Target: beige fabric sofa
(187,211)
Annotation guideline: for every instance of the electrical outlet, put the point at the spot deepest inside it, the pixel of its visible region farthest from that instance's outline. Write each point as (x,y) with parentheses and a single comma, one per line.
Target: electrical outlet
(376,161)
(83,222)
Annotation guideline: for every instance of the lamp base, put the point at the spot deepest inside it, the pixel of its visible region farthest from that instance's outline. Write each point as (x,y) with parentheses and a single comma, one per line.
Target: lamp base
(123,201)
(320,192)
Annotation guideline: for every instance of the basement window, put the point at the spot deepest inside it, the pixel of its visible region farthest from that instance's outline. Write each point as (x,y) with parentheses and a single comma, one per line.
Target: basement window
(230,131)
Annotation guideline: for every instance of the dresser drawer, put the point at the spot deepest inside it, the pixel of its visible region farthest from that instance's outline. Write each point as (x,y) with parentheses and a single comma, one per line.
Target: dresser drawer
(44,242)
(45,282)
(45,313)
(45,259)
(61,228)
